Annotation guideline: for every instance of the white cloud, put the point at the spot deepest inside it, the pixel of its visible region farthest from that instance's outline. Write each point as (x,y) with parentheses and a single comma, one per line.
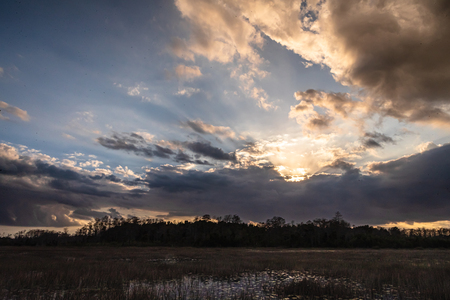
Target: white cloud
(426,146)
(68,136)
(204,128)
(261,96)
(8,152)
(220,32)
(332,106)
(147,136)
(20,113)
(187,73)
(85,116)
(136,89)
(393,51)
(99,171)
(68,163)
(188,92)
(91,163)
(125,172)
(82,124)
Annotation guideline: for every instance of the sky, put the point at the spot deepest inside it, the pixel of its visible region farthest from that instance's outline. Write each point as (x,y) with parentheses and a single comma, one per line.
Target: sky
(178,108)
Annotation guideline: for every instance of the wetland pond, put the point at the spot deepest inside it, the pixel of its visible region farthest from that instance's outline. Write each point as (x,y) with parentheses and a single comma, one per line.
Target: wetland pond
(261,285)
(135,273)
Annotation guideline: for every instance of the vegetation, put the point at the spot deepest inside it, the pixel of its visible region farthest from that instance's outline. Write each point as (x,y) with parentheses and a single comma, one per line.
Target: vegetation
(230,231)
(162,272)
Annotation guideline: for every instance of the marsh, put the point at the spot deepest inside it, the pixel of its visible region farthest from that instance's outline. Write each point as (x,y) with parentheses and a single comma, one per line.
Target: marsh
(222,273)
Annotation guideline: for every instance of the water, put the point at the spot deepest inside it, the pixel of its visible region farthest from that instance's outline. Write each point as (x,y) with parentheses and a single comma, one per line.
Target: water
(261,285)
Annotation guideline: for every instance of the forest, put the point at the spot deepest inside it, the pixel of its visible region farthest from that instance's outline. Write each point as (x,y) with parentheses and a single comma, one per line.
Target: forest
(231,231)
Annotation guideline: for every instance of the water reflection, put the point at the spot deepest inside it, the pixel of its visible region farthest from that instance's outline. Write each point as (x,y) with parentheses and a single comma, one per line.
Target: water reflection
(261,285)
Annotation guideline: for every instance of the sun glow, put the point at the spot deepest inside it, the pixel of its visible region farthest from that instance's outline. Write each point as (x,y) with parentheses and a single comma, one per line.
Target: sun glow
(415,225)
(293,175)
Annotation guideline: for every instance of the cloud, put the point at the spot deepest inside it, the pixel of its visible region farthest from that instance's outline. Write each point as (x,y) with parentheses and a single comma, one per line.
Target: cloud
(203,128)
(125,172)
(426,146)
(187,73)
(413,188)
(88,214)
(136,89)
(333,105)
(68,136)
(132,142)
(188,92)
(175,182)
(38,193)
(147,136)
(184,158)
(261,96)
(11,163)
(376,139)
(180,48)
(394,53)
(139,90)
(21,114)
(83,123)
(319,122)
(92,163)
(205,149)
(347,167)
(394,50)
(220,32)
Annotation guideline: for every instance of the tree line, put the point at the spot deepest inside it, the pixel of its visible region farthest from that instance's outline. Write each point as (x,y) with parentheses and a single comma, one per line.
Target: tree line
(230,231)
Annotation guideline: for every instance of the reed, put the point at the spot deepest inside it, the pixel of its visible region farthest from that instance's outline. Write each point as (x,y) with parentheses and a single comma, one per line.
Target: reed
(108,272)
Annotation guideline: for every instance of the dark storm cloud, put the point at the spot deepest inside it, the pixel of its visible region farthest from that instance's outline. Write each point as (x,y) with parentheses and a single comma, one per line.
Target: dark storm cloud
(61,179)
(182,157)
(36,193)
(409,189)
(132,142)
(136,144)
(189,181)
(414,188)
(319,122)
(371,143)
(26,205)
(376,140)
(26,167)
(395,53)
(205,149)
(88,214)
(343,165)
(114,178)
(85,189)
(399,54)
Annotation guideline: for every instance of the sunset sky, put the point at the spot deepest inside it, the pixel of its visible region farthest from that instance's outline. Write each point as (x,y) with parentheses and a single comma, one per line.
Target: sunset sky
(261,108)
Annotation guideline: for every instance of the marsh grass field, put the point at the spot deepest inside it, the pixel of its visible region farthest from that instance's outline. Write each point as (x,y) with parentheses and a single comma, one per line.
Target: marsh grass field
(222,273)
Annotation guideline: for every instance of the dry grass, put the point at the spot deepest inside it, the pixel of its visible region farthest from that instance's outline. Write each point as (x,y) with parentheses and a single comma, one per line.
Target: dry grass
(106,272)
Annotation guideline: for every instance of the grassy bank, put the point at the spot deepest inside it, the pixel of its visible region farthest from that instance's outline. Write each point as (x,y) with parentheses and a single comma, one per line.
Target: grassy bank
(107,272)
